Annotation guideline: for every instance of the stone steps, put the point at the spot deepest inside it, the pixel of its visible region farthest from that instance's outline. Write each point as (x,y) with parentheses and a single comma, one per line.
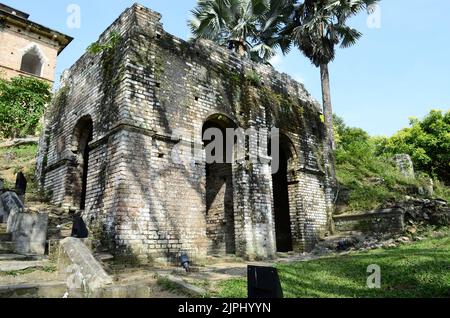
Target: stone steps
(20,265)
(5,237)
(6,247)
(104,257)
(36,290)
(15,257)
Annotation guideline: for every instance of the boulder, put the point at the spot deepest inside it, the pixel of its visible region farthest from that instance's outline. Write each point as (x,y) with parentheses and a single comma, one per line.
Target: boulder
(29,232)
(11,204)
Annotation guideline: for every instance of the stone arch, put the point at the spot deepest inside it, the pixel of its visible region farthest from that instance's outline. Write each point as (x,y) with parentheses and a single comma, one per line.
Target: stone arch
(219,192)
(282,194)
(79,146)
(33,60)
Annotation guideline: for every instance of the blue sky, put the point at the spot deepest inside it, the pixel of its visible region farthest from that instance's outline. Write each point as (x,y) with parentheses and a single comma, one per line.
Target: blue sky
(399,70)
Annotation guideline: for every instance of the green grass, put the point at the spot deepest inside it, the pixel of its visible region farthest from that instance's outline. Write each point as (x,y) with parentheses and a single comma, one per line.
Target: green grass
(13,159)
(374,180)
(46,269)
(418,270)
(22,154)
(167,284)
(18,273)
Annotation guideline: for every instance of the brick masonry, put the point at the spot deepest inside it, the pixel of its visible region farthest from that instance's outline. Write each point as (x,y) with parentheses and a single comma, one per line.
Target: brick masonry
(143,204)
(382,221)
(19,36)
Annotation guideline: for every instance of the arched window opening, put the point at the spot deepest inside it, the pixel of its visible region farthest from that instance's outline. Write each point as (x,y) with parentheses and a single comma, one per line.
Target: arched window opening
(32,62)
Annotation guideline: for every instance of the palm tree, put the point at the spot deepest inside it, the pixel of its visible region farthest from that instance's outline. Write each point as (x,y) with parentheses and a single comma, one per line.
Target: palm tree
(248,27)
(316,28)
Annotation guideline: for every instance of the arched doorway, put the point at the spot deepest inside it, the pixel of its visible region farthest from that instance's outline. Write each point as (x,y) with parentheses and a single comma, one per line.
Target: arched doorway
(220,226)
(283,230)
(83,134)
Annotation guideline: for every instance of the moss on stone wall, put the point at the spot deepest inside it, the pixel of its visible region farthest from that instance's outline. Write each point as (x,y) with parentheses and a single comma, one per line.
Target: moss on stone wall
(59,103)
(112,72)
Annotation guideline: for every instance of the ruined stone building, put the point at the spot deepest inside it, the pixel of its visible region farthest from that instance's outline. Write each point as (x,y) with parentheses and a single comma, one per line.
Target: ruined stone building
(108,144)
(28,48)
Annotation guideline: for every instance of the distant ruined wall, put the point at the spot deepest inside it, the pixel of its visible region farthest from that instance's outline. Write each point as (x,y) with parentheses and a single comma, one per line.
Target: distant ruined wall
(138,200)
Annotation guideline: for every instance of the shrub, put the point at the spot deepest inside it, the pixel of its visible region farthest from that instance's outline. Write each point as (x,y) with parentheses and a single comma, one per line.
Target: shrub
(22,104)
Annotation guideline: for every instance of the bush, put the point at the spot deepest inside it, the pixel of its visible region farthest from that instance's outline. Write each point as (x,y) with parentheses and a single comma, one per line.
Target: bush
(368,177)
(22,104)
(427,141)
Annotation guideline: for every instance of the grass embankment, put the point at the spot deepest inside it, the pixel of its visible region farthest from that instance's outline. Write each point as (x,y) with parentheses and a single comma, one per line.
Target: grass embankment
(421,269)
(372,181)
(14,159)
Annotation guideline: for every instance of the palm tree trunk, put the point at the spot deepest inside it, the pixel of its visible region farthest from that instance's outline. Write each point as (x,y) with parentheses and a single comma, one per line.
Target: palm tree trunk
(327,107)
(329,143)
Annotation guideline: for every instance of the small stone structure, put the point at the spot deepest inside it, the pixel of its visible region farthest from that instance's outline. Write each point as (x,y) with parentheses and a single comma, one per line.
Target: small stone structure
(29,233)
(108,146)
(405,165)
(10,204)
(78,267)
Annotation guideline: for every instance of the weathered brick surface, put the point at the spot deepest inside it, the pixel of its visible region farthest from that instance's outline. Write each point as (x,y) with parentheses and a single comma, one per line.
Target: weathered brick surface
(141,202)
(16,41)
(19,36)
(382,221)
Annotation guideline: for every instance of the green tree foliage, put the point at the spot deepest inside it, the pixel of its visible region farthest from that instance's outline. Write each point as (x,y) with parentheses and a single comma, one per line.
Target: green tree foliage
(316,29)
(248,27)
(364,168)
(109,45)
(22,104)
(427,141)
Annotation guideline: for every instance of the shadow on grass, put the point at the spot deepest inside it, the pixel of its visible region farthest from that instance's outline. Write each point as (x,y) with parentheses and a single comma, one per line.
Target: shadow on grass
(419,270)
(409,271)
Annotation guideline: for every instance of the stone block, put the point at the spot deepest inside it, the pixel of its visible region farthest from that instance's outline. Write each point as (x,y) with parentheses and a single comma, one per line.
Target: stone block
(405,165)
(379,221)
(10,204)
(79,268)
(29,233)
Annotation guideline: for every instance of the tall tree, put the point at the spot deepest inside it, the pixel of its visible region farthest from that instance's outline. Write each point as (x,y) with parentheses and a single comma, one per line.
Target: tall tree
(317,28)
(248,27)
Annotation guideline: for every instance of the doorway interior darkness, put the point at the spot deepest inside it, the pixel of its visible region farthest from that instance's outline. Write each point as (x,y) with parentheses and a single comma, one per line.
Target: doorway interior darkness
(83,134)
(281,206)
(220,228)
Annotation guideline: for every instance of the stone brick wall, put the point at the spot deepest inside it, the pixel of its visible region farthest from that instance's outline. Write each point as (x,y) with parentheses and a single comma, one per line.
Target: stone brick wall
(383,221)
(140,201)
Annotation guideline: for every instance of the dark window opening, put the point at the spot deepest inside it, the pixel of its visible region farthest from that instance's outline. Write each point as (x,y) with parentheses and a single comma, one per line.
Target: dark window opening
(31,63)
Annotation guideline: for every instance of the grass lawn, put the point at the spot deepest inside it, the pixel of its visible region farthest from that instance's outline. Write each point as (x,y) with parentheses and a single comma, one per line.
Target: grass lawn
(421,269)
(15,158)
